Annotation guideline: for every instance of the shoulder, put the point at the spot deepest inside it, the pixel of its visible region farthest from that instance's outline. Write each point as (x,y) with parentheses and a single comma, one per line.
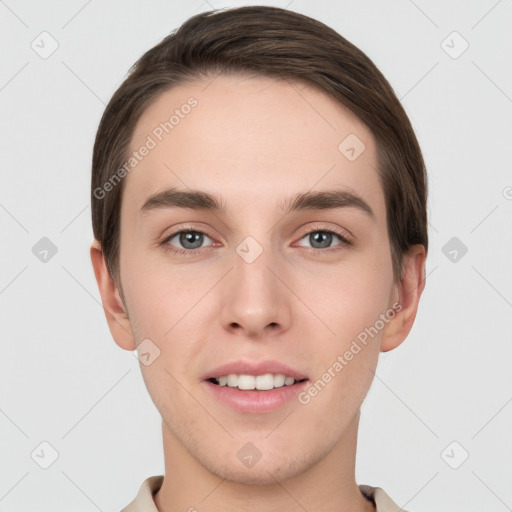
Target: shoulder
(383,503)
(143,502)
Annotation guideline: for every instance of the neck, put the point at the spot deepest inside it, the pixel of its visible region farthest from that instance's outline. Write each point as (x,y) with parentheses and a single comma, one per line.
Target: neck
(325,486)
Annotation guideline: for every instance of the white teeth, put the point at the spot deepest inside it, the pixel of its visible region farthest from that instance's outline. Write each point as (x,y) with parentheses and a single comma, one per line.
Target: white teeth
(232,380)
(260,382)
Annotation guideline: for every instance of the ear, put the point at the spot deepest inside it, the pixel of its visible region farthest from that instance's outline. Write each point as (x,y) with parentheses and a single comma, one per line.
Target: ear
(115,310)
(407,294)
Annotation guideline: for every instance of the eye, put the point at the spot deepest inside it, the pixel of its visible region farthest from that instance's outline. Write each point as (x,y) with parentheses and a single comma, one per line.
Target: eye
(190,240)
(322,238)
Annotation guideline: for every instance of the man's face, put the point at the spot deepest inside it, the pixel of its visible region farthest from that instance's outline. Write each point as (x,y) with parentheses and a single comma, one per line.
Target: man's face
(263,283)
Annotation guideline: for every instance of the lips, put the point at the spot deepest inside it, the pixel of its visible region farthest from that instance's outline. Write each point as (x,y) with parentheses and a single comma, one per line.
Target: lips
(254,368)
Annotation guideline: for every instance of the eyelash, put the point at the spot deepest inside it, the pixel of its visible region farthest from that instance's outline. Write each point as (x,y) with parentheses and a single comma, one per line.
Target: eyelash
(191,252)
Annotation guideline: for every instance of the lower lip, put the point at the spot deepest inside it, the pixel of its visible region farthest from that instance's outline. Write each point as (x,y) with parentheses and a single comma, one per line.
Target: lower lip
(253,401)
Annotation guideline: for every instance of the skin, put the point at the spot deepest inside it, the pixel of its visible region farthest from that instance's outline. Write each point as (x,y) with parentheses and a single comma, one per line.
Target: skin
(256,141)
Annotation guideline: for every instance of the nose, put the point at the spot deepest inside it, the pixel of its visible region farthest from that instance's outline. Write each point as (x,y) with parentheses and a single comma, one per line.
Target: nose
(256,298)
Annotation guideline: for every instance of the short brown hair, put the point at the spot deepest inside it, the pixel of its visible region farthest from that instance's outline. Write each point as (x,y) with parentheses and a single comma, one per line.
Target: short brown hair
(272,42)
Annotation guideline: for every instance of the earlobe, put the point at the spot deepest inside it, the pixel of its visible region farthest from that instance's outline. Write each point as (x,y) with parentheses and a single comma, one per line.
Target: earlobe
(113,306)
(409,291)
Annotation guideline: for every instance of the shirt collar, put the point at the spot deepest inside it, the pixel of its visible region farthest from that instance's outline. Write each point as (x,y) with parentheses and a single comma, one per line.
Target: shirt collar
(144,502)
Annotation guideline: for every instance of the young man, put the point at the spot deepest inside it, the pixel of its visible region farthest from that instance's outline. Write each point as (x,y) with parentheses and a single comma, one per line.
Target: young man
(259,213)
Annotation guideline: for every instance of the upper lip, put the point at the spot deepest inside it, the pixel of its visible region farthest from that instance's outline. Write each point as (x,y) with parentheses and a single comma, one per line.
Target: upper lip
(254,368)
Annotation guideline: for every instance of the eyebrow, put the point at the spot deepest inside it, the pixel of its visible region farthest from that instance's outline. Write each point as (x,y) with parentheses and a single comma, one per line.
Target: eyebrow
(199,200)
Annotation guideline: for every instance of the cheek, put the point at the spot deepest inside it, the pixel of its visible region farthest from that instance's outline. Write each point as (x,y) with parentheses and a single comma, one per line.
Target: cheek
(345,300)
(159,294)
(348,304)
(167,309)
(345,362)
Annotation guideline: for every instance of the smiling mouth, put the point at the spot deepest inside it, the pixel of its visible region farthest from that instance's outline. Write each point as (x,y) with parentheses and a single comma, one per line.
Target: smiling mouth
(258,394)
(253,386)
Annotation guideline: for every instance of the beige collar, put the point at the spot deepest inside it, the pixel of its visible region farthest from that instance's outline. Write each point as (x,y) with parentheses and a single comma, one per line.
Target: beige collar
(143,502)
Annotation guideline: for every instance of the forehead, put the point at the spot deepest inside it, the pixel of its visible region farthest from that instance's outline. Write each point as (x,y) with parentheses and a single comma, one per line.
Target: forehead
(248,139)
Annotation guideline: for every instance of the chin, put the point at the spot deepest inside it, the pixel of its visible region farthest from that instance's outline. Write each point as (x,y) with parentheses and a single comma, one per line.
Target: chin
(266,471)
(266,474)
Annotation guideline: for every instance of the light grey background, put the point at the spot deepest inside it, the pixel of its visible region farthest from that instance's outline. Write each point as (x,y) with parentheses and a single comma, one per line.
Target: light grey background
(64,381)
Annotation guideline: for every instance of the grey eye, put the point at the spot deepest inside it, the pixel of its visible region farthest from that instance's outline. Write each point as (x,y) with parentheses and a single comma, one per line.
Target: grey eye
(321,239)
(189,239)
